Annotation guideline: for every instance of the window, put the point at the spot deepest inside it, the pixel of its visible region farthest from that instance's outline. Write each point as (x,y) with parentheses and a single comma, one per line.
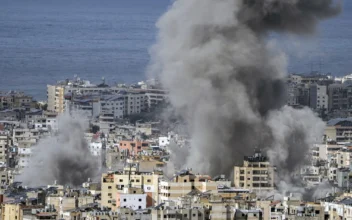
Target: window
(148,180)
(124,200)
(140,200)
(109,194)
(185,181)
(109,187)
(139,207)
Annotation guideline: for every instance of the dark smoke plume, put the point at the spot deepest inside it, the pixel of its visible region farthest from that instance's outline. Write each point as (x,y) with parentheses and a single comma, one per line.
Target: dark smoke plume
(227,79)
(64,157)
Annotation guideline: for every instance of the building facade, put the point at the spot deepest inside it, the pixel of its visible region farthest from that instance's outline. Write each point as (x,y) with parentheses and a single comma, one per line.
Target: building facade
(255,174)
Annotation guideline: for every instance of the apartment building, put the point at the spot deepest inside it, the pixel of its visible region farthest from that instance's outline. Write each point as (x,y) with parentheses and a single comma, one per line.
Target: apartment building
(114,183)
(134,102)
(69,201)
(181,211)
(56,98)
(11,211)
(185,182)
(339,130)
(255,174)
(154,98)
(92,105)
(25,152)
(20,134)
(113,104)
(132,198)
(340,96)
(133,146)
(318,97)
(6,177)
(14,99)
(5,142)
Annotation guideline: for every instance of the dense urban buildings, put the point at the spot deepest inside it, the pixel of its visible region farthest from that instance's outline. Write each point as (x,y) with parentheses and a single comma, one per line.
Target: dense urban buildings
(136,155)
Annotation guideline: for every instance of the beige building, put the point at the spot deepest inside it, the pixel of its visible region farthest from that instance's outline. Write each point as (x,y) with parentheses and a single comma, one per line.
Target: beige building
(65,200)
(339,130)
(120,213)
(11,211)
(186,182)
(24,134)
(114,183)
(17,211)
(56,98)
(6,177)
(5,141)
(255,174)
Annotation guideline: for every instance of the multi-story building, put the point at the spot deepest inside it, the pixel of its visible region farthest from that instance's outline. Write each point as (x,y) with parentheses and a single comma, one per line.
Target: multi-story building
(134,102)
(132,198)
(5,142)
(297,94)
(20,134)
(136,99)
(318,97)
(154,97)
(255,174)
(114,183)
(339,130)
(14,99)
(133,146)
(172,210)
(56,98)
(113,104)
(25,152)
(340,97)
(185,182)
(113,160)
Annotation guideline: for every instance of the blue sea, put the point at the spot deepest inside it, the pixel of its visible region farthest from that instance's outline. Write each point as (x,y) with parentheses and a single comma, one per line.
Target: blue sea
(42,41)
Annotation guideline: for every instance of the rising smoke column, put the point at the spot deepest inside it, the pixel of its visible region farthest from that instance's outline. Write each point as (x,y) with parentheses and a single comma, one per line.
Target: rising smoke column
(63,157)
(226,79)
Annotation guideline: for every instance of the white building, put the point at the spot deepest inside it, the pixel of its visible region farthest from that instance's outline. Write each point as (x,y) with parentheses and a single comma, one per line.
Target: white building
(320,152)
(133,201)
(164,141)
(332,173)
(95,148)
